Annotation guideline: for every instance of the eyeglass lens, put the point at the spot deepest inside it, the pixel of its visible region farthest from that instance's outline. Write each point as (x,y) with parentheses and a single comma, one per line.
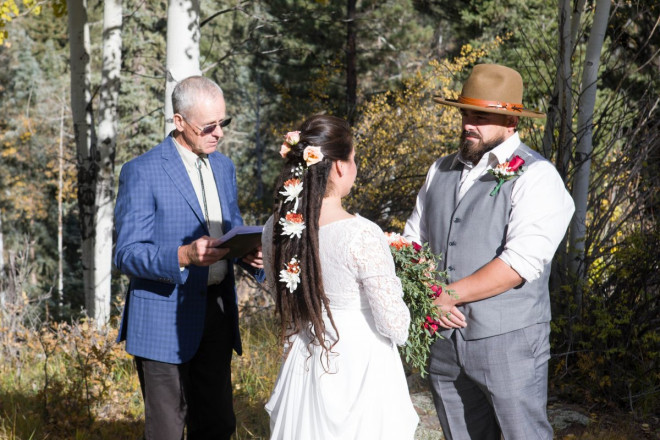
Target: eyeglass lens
(208,129)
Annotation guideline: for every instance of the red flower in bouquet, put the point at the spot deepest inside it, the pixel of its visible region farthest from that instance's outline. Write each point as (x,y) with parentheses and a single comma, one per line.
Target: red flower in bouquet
(416,267)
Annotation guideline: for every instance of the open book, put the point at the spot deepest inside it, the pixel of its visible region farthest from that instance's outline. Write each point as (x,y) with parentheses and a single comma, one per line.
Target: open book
(241,240)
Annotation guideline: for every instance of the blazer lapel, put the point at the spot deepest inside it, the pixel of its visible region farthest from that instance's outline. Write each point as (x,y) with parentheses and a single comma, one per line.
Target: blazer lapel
(176,170)
(222,178)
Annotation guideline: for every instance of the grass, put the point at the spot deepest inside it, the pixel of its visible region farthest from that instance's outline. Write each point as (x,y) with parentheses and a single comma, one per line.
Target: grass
(72,382)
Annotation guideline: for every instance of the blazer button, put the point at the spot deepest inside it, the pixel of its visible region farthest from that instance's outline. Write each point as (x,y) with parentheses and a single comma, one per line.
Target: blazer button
(457,220)
(450,268)
(452,243)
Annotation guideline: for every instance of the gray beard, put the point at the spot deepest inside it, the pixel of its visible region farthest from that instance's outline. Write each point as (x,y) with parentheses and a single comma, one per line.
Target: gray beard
(473,152)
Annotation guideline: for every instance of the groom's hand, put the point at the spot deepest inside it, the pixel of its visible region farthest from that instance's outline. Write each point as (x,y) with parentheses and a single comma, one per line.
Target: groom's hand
(450,316)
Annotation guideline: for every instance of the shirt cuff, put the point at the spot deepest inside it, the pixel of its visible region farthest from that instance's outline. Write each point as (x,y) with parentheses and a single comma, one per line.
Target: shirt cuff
(526,270)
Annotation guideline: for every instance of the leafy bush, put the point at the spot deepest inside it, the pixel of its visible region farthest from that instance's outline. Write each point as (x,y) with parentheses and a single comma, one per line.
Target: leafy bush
(611,352)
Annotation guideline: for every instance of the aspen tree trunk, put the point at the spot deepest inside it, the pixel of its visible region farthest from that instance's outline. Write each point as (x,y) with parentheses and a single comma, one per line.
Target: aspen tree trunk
(182,49)
(85,138)
(105,160)
(586,104)
(351,55)
(95,162)
(60,215)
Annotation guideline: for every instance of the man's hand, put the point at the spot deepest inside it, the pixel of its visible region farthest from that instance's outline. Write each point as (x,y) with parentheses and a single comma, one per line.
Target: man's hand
(450,316)
(201,252)
(255,259)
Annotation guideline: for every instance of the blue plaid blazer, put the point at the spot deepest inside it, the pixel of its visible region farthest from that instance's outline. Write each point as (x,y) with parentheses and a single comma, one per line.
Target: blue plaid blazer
(156,212)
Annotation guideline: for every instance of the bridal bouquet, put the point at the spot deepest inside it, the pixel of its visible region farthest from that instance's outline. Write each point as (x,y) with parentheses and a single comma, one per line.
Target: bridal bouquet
(416,267)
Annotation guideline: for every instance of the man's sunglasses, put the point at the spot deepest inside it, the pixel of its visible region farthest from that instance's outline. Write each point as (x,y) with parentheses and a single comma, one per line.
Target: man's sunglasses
(210,128)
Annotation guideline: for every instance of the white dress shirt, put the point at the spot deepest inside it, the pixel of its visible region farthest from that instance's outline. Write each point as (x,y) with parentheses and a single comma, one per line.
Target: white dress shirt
(541,209)
(217,271)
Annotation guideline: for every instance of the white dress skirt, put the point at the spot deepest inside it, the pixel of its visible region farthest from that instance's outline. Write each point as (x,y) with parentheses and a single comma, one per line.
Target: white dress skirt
(359,389)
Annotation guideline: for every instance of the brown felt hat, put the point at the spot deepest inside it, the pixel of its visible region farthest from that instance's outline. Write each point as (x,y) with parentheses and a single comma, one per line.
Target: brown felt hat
(492,88)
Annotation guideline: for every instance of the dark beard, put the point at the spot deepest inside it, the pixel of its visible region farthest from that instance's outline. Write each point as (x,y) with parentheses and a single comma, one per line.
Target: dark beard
(473,152)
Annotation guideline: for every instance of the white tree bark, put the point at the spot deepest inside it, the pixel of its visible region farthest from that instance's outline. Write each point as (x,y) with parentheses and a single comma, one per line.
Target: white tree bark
(60,215)
(182,49)
(81,110)
(95,160)
(586,104)
(105,157)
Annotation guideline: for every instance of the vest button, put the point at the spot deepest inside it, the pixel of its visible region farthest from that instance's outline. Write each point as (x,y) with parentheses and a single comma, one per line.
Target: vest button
(452,243)
(457,220)
(450,268)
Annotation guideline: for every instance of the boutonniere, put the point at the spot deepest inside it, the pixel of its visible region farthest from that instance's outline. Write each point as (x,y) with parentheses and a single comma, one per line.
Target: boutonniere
(507,171)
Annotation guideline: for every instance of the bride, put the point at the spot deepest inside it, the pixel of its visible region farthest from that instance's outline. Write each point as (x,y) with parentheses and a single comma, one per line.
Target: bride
(338,299)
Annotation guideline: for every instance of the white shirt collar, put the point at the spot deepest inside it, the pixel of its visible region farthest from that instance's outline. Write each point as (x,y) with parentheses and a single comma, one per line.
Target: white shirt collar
(189,158)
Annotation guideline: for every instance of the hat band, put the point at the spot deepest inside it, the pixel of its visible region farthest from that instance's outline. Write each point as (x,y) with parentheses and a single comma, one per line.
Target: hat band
(491,104)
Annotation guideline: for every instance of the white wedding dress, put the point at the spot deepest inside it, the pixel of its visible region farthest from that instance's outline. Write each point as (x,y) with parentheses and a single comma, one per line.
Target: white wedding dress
(360,390)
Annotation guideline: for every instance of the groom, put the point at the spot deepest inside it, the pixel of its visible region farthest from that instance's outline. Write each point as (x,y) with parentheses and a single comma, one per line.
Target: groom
(489,373)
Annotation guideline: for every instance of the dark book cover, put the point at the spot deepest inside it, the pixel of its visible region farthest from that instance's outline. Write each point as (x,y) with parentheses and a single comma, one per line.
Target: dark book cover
(241,240)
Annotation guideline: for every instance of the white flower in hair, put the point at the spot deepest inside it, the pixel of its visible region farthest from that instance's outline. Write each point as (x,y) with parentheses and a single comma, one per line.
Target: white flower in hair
(291,274)
(292,224)
(292,189)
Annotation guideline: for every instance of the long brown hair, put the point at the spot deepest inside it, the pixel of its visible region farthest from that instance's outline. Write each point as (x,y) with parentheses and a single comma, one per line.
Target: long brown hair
(302,310)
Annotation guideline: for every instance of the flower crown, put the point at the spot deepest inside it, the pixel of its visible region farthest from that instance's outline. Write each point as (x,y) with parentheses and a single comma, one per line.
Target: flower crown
(293,223)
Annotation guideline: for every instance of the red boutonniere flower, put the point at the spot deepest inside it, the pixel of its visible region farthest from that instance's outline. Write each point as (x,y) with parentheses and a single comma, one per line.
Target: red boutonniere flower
(507,171)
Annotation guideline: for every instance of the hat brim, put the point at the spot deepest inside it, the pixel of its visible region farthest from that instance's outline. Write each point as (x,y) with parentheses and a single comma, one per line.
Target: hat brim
(524,112)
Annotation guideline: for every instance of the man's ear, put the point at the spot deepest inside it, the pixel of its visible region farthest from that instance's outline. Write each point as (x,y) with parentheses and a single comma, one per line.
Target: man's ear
(178,121)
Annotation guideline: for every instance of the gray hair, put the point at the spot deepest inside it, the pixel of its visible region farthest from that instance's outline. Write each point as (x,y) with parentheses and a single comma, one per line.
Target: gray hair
(189,90)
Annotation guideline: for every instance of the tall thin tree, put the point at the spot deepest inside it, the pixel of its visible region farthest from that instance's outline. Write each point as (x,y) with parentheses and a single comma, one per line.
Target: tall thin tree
(182,58)
(586,104)
(105,158)
(95,162)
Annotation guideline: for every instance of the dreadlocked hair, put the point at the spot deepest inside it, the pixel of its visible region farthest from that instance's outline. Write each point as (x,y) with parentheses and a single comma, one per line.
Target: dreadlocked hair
(301,309)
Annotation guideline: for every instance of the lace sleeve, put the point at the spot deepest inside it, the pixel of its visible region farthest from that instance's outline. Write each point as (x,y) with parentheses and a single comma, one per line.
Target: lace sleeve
(380,284)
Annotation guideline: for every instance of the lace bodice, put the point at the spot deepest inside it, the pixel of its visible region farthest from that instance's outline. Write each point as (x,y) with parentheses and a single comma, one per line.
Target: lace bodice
(358,273)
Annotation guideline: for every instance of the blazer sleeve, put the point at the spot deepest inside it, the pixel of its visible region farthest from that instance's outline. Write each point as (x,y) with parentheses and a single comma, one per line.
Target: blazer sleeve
(138,253)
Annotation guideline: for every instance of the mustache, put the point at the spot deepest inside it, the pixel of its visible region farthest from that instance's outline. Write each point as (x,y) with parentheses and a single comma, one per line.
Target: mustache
(466,133)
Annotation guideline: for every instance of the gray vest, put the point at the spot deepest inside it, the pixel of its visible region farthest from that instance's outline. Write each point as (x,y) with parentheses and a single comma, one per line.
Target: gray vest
(469,234)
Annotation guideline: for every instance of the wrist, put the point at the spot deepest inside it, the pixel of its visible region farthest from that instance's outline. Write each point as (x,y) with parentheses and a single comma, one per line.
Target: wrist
(182,254)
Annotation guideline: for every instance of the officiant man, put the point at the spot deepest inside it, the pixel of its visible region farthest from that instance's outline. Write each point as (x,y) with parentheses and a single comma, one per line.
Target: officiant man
(180,320)
(489,374)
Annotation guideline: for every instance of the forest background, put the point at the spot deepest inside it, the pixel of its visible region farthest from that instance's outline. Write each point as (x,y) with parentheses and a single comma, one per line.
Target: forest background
(378,64)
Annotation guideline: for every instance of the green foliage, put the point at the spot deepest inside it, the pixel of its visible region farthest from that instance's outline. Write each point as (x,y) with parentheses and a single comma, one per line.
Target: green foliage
(416,267)
(612,351)
(254,373)
(67,380)
(64,381)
